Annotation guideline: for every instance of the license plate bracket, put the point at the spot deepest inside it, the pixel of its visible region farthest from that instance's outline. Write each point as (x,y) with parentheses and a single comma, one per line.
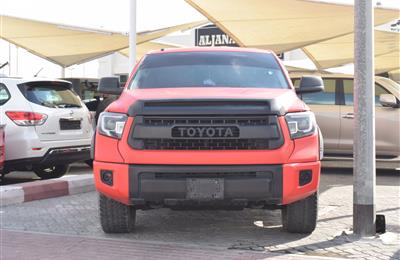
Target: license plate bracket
(204,188)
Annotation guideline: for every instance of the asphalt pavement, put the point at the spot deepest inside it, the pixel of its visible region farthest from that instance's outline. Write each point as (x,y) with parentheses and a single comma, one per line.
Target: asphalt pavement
(72,222)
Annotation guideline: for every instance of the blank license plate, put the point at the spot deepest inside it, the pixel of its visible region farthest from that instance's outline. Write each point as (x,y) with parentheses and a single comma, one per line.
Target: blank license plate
(203,188)
(66,124)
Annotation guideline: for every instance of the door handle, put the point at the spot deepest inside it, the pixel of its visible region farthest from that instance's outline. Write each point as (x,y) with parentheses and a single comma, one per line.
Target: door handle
(348,116)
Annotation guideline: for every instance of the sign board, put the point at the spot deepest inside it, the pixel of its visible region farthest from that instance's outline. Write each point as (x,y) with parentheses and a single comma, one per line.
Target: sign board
(212,36)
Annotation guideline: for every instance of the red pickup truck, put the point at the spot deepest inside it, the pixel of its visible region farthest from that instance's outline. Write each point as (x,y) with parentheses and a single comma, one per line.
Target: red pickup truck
(214,128)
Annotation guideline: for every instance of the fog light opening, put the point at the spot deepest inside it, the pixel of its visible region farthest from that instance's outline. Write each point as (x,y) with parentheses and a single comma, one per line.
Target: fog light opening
(305,177)
(106,177)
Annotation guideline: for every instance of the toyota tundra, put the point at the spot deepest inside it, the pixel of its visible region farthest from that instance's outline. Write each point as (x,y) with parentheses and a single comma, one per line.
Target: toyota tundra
(208,128)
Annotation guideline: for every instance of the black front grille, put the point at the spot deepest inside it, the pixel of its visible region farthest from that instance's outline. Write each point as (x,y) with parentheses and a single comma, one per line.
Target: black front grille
(205,144)
(206,121)
(206,133)
(212,175)
(66,124)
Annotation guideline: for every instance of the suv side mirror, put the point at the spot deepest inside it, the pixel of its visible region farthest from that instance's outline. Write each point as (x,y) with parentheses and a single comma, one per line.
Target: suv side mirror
(110,85)
(388,100)
(310,84)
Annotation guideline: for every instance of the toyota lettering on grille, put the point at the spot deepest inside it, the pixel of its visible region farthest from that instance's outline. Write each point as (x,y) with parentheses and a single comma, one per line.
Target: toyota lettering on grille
(205,131)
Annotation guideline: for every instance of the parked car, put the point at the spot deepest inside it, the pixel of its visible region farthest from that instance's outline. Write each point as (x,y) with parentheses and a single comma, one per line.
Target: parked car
(87,89)
(333,109)
(210,128)
(48,126)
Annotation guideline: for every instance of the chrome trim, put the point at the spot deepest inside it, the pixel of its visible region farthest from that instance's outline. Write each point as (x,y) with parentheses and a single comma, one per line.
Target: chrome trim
(70,149)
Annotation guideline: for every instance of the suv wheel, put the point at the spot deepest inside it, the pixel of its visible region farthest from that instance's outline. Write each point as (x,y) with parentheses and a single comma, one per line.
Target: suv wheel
(301,216)
(51,172)
(116,217)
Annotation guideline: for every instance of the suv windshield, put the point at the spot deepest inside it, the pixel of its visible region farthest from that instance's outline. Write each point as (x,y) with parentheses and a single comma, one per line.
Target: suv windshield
(50,94)
(209,69)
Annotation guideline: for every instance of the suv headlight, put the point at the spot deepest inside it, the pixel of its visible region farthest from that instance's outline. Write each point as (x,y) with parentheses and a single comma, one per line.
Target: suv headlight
(112,124)
(301,124)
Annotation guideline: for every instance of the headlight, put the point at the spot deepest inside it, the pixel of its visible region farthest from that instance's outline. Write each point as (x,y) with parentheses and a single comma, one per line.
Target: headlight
(112,124)
(301,124)
(321,145)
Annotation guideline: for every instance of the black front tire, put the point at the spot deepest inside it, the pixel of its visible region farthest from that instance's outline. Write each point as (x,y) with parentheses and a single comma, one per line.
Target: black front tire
(51,172)
(301,216)
(116,217)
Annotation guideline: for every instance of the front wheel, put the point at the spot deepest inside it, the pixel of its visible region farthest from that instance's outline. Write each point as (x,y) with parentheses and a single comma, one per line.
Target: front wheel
(301,216)
(116,217)
(51,172)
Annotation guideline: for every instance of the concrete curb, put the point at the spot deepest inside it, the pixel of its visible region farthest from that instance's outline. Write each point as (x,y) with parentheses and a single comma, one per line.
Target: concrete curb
(37,190)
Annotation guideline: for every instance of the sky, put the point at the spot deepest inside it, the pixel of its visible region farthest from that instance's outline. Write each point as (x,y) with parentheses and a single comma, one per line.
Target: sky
(104,14)
(99,14)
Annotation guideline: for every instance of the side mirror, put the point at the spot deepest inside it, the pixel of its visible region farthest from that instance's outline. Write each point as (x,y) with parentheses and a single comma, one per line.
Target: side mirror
(388,100)
(310,84)
(110,85)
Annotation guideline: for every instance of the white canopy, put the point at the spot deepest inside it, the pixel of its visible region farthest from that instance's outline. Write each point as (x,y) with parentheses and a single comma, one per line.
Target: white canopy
(340,51)
(323,30)
(66,45)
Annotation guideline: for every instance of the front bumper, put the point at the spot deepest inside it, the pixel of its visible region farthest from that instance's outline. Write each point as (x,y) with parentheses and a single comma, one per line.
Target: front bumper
(238,186)
(54,156)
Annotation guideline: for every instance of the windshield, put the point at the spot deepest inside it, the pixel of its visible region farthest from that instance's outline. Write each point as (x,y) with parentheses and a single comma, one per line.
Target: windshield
(50,94)
(209,69)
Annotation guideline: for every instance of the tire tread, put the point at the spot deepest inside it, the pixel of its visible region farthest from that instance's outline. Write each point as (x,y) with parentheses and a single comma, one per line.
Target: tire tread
(116,217)
(301,216)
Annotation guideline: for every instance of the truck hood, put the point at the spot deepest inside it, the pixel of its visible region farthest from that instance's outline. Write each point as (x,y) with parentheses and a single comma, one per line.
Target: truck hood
(278,101)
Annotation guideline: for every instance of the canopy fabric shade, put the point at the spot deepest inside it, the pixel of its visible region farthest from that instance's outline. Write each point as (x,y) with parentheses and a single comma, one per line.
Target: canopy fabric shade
(143,48)
(292,69)
(67,45)
(395,75)
(387,62)
(285,24)
(340,51)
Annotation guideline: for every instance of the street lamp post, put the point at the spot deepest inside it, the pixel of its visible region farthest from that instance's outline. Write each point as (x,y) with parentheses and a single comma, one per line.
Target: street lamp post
(364,120)
(132,34)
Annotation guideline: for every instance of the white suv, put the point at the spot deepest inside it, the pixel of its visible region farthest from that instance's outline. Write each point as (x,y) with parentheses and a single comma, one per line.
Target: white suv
(47,126)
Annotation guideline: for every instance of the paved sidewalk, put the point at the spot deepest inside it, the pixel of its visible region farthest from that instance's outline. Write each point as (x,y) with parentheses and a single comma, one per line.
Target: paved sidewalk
(31,246)
(44,189)
(228,232)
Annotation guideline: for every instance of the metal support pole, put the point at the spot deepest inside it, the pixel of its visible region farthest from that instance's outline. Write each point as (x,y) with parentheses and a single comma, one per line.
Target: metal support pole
(16,61)
(9,59)
(132,34)
(364,120)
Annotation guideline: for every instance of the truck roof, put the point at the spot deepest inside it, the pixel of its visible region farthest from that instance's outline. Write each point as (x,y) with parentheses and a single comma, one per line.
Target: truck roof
(208,49)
